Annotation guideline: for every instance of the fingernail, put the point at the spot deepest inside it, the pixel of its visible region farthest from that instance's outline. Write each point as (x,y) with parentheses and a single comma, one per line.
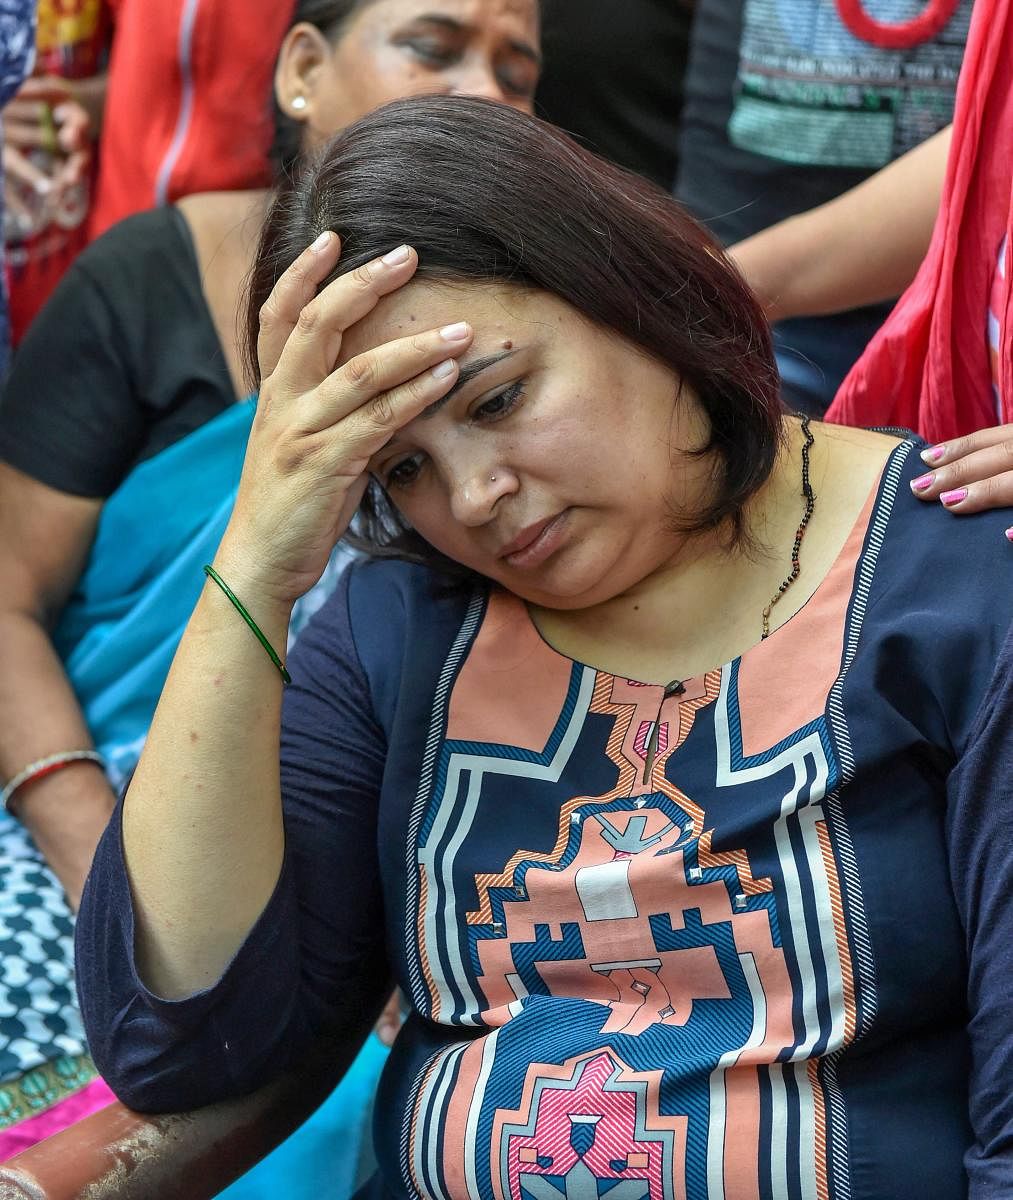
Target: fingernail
(933,454)
(455,333)
(322,242)
(1009,534)
(922,483)
(444,369)
(394,258)
(954,497)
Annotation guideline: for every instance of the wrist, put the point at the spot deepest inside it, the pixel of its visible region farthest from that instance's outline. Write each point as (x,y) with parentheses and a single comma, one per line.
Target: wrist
(267,594)
(66,815)
(73,799)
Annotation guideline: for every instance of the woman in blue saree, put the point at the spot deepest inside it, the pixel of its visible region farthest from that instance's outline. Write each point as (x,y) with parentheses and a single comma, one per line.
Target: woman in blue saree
(122,434)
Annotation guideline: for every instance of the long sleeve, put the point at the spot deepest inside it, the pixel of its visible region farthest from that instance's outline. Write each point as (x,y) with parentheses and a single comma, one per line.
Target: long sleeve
(980,840)
(314,961)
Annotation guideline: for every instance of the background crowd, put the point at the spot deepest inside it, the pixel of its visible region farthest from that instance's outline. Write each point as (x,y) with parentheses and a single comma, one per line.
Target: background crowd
(846,154)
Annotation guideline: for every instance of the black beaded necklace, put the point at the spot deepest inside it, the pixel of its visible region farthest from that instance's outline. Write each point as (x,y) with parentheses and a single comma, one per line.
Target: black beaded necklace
(677,687)
(807,512)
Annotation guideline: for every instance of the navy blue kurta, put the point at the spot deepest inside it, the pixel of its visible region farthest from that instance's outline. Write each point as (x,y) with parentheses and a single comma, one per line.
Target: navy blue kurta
(748,939)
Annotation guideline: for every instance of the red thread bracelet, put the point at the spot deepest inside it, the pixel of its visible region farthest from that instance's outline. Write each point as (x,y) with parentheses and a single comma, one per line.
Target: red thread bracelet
(43,767)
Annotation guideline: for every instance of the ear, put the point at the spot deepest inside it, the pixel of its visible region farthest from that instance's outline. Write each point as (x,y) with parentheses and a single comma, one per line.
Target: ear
(304,53)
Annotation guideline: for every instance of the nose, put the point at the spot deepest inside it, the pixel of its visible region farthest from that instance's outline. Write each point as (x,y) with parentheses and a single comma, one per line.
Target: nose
(478,78)
(473,497)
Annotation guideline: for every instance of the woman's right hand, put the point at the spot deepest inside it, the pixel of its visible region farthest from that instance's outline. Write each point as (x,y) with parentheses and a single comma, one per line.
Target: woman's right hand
(317,426)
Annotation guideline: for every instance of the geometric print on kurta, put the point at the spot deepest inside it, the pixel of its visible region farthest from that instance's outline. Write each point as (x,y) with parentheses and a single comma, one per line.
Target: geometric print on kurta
(658,1003)
(662,976)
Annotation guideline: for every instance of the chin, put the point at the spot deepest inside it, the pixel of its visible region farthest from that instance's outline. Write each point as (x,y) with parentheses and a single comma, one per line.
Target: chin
(565,588)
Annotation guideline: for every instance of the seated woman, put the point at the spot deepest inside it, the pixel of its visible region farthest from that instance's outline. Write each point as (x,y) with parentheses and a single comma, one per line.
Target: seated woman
(661,756)
(122,430)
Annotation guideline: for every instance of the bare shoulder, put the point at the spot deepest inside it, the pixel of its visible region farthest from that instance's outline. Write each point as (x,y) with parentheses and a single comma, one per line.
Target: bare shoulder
(220,223)
(225,227)
(852,462)
(870,444)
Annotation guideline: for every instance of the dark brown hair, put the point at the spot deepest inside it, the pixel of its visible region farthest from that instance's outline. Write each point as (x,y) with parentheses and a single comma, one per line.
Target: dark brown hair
(485,193)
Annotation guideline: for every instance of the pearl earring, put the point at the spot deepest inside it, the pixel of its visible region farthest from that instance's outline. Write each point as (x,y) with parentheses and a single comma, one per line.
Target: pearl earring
(298,103)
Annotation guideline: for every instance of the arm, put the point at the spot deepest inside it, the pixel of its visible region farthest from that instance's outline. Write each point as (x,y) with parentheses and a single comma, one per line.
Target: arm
(71,422)
(861,248)
(314,961)
(980,844)
(204,808)
(46,535)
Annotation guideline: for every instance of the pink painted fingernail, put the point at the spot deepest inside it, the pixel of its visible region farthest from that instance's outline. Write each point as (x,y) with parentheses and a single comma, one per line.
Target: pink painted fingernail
(933,454)
(322,242)
(954,497)
(394,258)
(1009,533)
(922,483)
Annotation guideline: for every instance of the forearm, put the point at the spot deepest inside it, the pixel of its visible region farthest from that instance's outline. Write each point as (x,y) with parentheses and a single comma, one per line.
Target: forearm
(862,248)
(202,825)
(91,95)
(39,715)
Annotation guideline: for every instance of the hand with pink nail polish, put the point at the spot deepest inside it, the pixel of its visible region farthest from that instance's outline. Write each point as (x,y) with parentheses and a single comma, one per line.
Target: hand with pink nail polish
(970,474)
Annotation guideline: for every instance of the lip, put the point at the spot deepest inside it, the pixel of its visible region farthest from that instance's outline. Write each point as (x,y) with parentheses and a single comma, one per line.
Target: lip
(536,542)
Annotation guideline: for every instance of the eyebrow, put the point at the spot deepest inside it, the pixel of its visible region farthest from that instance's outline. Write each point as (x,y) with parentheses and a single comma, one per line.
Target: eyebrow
(468,372)
(449,23)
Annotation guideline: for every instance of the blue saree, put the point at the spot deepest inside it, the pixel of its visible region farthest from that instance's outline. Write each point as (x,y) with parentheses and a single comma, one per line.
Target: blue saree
(116,638)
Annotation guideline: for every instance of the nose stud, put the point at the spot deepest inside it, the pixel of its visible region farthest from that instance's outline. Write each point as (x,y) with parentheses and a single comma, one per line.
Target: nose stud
(492,478)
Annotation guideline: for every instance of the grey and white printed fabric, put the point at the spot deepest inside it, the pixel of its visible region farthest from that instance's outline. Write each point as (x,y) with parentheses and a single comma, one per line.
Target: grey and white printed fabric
(17,53)
(39,1019)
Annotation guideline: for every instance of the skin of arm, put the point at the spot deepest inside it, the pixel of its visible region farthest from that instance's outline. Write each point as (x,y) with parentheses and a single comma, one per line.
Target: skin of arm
(861,248)
(203,836)
(46,535)
(201,878)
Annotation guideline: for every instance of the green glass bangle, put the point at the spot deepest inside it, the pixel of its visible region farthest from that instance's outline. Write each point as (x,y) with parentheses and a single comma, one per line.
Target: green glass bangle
(237,604)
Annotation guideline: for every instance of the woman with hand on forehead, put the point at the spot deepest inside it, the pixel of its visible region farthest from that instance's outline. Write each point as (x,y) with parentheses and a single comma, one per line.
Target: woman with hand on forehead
(657,754)
(122,431)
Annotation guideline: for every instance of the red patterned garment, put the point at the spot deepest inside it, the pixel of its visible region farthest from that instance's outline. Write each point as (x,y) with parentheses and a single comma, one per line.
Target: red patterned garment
(189,101)
(930,368)
(71,43)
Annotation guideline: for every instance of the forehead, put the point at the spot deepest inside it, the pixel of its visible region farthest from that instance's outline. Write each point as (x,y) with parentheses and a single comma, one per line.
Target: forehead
(520,17)
(493,310)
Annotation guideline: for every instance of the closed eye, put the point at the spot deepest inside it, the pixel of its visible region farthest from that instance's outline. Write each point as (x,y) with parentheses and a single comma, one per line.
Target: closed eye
(500,404)
(404,474)
(495,408)
(434,53)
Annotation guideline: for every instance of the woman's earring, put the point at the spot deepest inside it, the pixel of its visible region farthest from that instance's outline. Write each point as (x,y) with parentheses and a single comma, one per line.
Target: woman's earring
(298,103)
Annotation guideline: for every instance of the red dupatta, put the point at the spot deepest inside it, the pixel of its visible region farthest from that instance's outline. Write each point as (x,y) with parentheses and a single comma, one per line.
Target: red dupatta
(928,368)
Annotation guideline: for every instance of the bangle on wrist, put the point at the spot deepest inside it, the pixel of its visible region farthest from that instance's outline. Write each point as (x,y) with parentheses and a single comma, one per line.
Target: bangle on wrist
(43,767)
(237,604)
